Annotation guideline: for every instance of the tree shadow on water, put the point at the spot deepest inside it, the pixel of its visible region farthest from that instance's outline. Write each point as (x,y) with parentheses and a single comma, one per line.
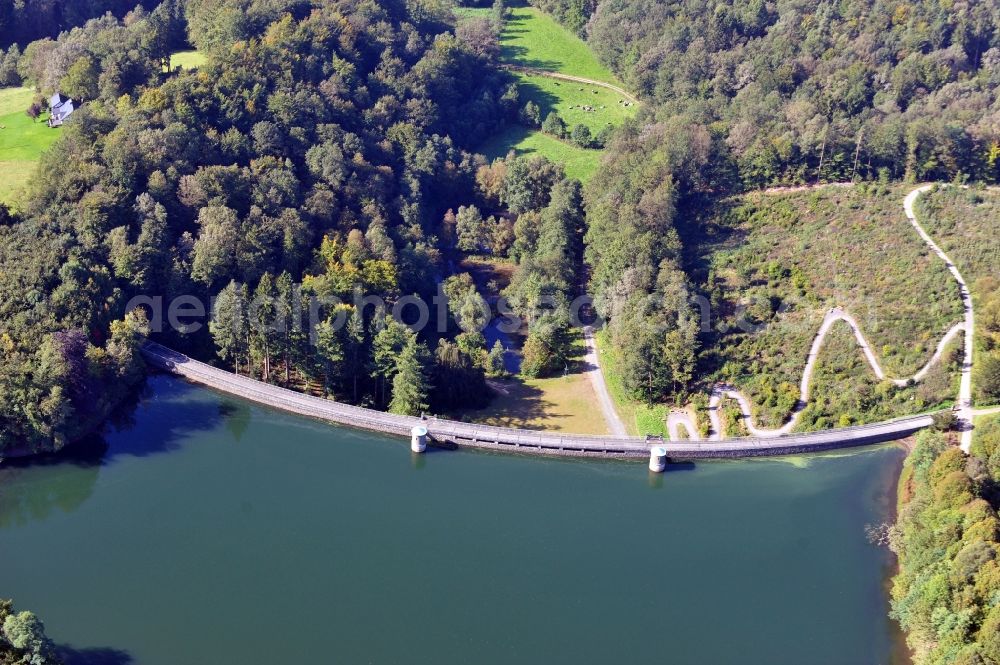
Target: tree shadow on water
(93,656)
(167,412)
(157,421)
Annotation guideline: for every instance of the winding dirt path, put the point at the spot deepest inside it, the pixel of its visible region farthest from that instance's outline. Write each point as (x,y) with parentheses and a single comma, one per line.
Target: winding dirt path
(964,403)
(965,415)
(576,79)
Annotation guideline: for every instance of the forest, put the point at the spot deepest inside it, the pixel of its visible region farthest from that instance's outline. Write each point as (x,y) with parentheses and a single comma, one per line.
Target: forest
(327,149)
(756,94)
(322,151)
(801,91)
(308,122)
(24,21)
(947,537)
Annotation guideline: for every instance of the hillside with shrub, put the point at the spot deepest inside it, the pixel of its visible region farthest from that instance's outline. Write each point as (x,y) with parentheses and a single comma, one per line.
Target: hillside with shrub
(748,95)
(772,265)
(965,222)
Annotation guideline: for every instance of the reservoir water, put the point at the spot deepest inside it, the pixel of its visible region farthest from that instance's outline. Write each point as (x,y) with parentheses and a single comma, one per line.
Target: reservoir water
(209,531)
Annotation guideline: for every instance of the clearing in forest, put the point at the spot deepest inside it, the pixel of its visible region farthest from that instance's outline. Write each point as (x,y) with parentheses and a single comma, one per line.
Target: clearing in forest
(22,141)
(187,59)
(576,162)
(533,39)
(565,402)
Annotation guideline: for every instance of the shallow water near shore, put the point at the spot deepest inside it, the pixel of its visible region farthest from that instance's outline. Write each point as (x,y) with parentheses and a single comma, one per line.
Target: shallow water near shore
(208,530)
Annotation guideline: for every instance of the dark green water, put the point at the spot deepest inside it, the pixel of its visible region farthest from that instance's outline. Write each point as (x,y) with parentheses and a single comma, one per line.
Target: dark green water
(209,531)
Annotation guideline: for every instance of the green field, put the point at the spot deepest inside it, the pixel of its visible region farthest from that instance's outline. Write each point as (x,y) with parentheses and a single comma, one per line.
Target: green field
(572,100)
(187,59)
(533,39)
(578,162)
(22,141)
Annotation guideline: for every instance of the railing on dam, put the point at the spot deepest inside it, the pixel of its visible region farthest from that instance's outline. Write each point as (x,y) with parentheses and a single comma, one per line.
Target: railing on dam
(519,440)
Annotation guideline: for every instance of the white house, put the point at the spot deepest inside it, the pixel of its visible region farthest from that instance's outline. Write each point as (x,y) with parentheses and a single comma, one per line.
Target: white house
(60,108)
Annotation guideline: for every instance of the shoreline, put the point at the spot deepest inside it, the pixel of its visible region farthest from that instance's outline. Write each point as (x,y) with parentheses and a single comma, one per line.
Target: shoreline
(533,442)
(901,653)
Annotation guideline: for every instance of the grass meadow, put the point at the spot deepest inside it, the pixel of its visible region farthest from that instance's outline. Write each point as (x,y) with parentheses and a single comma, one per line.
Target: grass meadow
(577,162)
(533,39)
(563,403)
(22,141)
(572,100)
(187,59)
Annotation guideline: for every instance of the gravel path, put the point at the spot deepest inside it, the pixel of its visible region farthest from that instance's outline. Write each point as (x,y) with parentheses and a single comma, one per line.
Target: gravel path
(965,387)
(593,363)
(964,402)
(577,79)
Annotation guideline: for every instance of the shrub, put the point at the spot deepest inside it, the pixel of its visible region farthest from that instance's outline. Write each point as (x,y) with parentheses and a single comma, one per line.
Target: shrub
(944,421)
(554,125)
(954,490)
(531,115)
(988,379)
(581,136)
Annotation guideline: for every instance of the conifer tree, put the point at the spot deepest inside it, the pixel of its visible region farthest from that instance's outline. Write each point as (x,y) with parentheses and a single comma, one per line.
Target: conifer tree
(388,343)
(410,386)
(262,315)
(228,325)
(355,349)
(494,361)
(329,353)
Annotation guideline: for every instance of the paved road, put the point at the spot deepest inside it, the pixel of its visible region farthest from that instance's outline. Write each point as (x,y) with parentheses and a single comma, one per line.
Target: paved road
(615,424)
(721,392)
(577,79)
